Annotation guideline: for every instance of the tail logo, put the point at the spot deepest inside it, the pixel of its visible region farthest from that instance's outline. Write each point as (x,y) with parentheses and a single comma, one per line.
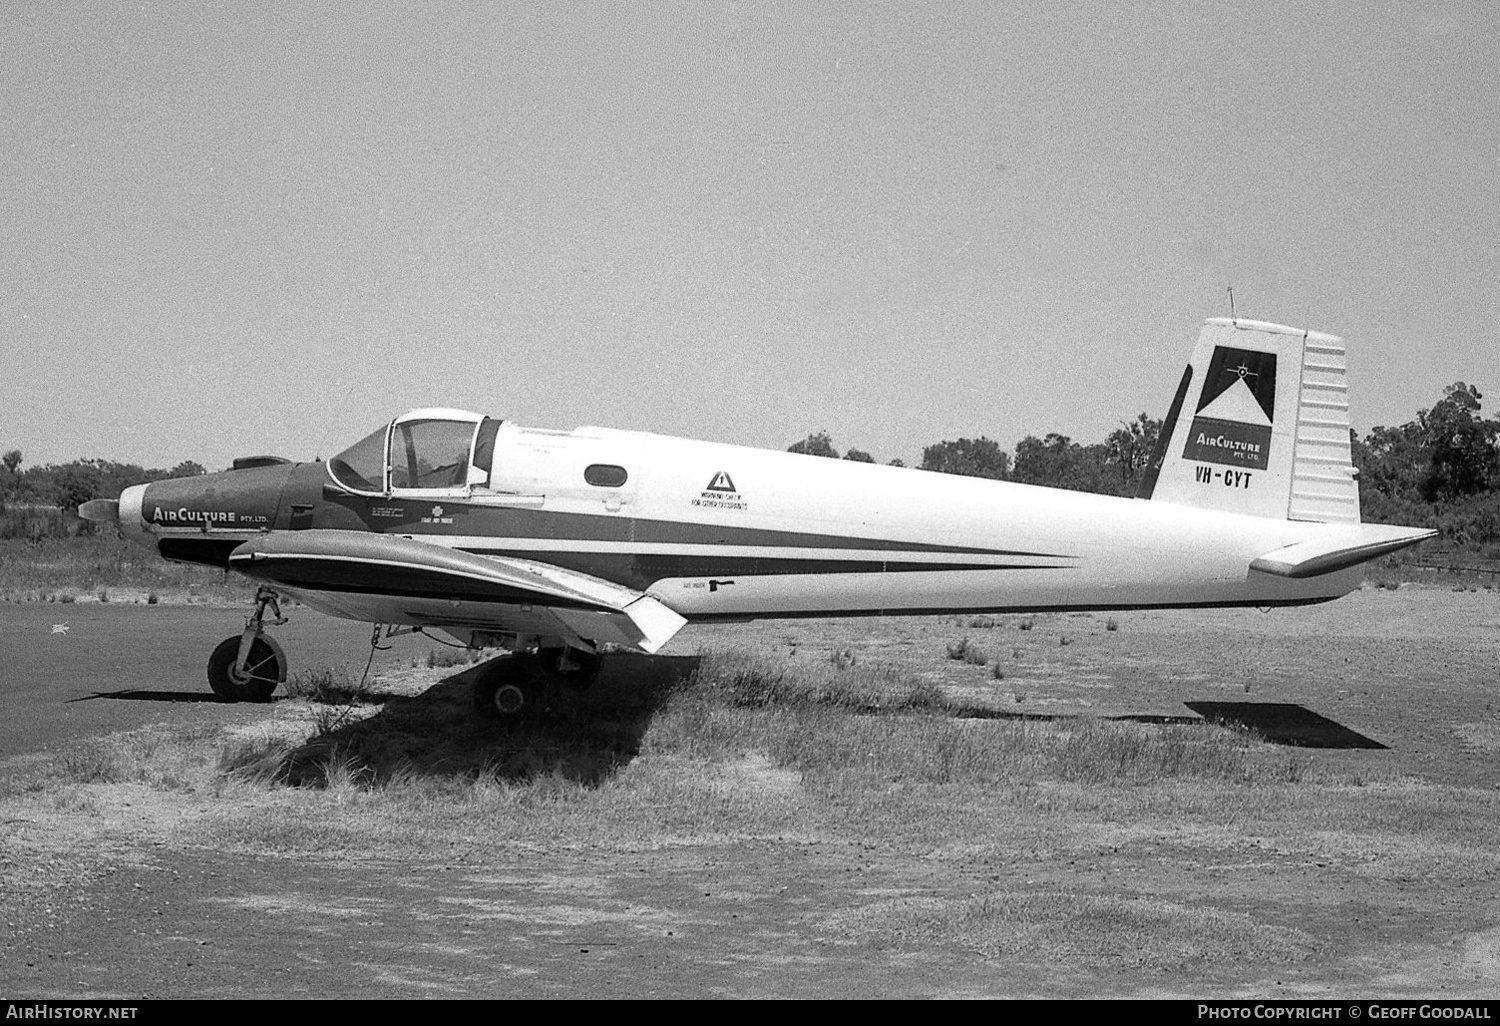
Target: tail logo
(1232,425)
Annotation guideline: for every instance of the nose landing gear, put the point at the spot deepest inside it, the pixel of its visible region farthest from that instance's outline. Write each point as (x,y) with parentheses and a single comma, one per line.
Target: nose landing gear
(248,666)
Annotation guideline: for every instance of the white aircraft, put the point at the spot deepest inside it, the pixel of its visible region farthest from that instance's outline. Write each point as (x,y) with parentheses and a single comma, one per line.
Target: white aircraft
(560,542)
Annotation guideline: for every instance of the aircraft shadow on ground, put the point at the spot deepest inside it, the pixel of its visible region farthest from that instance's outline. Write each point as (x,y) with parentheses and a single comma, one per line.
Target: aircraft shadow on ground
(584,736)
(144,695)
(981,713)
(587,736)
(1284,723)
(1278,723)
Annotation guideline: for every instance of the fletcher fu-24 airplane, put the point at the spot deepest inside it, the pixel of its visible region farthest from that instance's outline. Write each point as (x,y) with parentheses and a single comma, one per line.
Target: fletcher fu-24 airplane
(559,543)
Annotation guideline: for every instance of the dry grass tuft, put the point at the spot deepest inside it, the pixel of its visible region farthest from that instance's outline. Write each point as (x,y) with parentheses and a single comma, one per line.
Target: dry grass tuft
(167,757)
(968,652)
(450,656)
(746,680)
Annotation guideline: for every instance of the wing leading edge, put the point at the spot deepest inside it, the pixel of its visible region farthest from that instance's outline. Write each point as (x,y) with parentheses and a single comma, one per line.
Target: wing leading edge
(392,579)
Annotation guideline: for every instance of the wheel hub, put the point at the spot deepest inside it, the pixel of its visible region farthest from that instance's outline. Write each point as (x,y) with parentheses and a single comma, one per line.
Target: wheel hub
(509,699)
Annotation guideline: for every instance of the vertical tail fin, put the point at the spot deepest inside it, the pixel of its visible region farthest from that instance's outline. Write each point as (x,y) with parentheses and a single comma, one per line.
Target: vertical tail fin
(1259,425)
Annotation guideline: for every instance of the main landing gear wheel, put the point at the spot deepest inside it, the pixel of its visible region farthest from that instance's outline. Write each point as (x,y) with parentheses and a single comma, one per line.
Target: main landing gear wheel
(520,685)
(509,688)
(255,682)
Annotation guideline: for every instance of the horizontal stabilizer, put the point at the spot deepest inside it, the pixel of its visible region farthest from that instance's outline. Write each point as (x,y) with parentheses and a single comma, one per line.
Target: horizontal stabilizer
(1338,551)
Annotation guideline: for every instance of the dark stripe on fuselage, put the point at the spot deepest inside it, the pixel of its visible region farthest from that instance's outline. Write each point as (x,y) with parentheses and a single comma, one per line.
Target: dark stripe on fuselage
(357,576)
(634,570)
(641,570)
(714,534)
(474,519)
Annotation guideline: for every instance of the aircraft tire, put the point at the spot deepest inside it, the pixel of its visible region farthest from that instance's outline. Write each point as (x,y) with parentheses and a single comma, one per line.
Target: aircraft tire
(508,689)
(262,673)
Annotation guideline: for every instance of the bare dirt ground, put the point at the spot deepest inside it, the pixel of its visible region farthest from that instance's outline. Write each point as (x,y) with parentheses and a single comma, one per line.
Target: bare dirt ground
(1371,871)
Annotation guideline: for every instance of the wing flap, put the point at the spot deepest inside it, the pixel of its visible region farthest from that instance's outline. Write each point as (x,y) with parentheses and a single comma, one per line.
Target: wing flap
(1338,551)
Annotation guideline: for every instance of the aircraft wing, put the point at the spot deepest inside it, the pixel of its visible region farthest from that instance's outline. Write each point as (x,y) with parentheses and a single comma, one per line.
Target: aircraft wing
(1338,550)
(382,578)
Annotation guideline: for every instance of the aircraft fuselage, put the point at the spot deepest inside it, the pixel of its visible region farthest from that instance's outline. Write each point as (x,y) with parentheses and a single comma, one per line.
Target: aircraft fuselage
(725,532)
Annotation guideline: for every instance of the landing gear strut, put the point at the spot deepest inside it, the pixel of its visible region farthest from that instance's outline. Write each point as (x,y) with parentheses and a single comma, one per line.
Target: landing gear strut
(248,666)
(518,685)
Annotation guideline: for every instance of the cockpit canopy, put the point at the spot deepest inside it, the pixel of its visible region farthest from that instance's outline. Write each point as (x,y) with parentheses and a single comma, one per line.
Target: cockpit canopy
(435,451)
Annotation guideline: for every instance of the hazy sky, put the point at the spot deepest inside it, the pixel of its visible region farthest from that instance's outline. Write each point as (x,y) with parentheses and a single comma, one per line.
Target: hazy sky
(235,228)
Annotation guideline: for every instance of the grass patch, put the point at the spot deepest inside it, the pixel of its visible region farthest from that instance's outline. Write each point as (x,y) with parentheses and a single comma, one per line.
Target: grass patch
(837,728)
(729,742)
(165,757)
(449,656)
(326,685)
(744,679)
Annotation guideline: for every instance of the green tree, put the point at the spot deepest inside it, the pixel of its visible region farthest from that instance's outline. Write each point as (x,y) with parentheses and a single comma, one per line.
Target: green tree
(815,445)
(10,477)
(970,457)
(1464,459)
(1059,462)
(1392,461)
(187,468)
(1439,470)
(1129,449)
(76,483)
(1445,455)
(859,456)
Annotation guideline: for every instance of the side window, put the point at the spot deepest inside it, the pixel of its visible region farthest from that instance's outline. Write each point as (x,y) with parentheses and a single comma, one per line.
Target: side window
(431,454)
(605,475)
(361,467)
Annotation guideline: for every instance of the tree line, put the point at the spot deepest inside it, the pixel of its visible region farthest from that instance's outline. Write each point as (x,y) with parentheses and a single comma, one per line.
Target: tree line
(1111,467)
(1439,470)
(42,502)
